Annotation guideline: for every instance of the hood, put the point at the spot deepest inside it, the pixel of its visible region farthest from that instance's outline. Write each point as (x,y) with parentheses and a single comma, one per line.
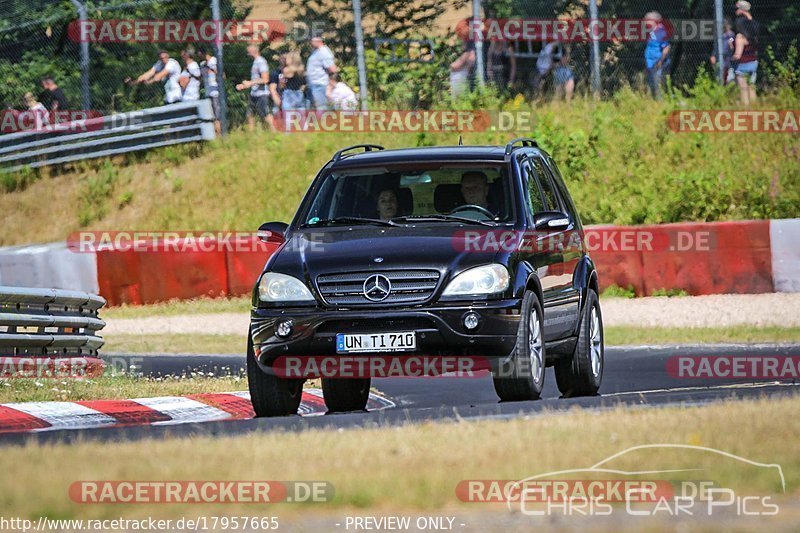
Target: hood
(310,253)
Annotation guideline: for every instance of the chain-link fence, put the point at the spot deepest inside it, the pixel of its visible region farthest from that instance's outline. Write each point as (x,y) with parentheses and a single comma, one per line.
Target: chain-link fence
(409,50)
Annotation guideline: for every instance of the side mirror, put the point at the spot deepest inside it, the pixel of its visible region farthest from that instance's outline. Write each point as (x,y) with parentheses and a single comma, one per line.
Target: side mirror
(272,232)
(551,221)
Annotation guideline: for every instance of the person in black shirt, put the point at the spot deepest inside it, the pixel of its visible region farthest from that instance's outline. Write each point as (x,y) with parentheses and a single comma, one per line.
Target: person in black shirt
(53,97)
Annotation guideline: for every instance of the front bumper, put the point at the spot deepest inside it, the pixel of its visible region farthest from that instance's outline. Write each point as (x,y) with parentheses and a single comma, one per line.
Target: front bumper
(440,329)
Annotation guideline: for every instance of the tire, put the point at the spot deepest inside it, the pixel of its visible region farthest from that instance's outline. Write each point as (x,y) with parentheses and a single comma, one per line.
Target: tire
(269,394)
(522,378)
(582,374)
(345,394)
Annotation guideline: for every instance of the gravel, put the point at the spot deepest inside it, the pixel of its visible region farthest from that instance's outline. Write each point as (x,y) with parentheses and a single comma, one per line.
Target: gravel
(721,310)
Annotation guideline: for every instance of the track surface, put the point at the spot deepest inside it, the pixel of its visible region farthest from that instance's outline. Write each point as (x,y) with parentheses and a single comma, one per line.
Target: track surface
(634,376)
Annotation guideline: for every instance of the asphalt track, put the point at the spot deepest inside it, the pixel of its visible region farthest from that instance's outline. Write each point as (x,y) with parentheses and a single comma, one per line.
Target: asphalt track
(634,376)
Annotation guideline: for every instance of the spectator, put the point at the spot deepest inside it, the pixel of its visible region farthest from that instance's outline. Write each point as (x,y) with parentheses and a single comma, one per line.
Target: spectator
(287,84)
(53,97)
(656,53)
(340,96)
(387,204)
(258,84)
(190,77)
(501,64)
(167,69)
(745,55)
(544,64)
(208,65)
(461,68)
(37,109)
(321,64)
(728,47)
(564,77)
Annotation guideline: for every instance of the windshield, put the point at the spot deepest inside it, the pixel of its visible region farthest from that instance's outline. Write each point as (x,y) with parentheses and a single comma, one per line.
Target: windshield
(435,193)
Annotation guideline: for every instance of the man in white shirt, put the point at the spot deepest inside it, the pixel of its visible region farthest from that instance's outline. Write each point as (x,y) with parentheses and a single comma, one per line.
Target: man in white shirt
(319,68)
(190,77)
(259,103)
(167,69)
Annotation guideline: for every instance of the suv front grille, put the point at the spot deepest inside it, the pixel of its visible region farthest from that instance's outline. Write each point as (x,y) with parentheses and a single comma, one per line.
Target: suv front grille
(408,286)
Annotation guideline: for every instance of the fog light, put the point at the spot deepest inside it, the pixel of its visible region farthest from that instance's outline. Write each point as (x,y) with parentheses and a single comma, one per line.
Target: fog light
(472,320)
(284,328)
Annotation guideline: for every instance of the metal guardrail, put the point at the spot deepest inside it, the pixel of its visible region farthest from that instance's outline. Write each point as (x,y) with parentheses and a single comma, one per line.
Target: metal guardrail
(108,135)
(49,322)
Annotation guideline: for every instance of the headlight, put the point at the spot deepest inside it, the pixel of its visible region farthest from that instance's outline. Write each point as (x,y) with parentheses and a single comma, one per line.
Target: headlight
(275,287)
(488,279)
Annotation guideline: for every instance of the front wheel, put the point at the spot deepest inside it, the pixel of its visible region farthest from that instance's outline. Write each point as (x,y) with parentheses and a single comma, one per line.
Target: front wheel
(522,377)
(344,394)
(582,374)
(269,394)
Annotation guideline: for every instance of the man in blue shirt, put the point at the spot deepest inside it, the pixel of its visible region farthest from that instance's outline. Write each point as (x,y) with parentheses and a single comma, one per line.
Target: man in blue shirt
(656,53)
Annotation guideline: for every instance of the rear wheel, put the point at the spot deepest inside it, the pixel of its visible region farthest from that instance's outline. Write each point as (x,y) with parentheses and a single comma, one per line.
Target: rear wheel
(522,378)
(582,374)
(343,394)
(269,394)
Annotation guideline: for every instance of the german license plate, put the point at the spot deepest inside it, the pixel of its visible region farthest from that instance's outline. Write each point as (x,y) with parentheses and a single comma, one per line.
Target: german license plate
(376,342)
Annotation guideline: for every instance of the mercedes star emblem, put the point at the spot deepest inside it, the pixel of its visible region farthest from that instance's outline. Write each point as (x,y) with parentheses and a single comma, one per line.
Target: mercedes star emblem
(377,288)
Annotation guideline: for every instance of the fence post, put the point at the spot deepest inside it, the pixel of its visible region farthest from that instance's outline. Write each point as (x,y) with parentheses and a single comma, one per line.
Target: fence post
(86,96)
(476,19)
(719,31)
(218,50)
(595,53)
(362,64)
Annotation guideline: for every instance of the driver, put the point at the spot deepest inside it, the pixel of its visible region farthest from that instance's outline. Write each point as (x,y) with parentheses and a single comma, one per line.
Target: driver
(387,204)
(475,190)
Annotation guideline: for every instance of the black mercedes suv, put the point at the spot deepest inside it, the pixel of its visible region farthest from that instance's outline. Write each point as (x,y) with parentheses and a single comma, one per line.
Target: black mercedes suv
(456,251)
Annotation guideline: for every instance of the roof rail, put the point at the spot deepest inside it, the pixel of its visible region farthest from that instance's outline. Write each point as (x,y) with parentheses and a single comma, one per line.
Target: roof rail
(524,141)
(367,148)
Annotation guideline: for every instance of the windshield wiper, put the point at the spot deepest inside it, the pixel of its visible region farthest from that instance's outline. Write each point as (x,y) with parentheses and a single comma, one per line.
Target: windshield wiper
(445,218)
(349,220)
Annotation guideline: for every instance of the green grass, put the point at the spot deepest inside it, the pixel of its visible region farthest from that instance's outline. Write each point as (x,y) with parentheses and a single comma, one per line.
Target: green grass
(178,307)
(111,386)
(175,343)
(629,335)
(621,161)
(380,471)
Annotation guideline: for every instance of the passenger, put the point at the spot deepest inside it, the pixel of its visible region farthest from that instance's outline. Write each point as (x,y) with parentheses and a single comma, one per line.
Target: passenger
(387,204)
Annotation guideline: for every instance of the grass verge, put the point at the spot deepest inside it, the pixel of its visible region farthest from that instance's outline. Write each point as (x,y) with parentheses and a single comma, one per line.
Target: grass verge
(615,336)
(178,307)
(621,161)
(416,467)
(112,387)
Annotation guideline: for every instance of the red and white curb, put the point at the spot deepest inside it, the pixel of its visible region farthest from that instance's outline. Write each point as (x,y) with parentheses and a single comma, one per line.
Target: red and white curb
(164,410)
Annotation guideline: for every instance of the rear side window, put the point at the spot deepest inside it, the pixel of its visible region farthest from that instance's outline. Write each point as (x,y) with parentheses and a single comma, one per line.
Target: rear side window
(535,203)
(550,196)
(562,188)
